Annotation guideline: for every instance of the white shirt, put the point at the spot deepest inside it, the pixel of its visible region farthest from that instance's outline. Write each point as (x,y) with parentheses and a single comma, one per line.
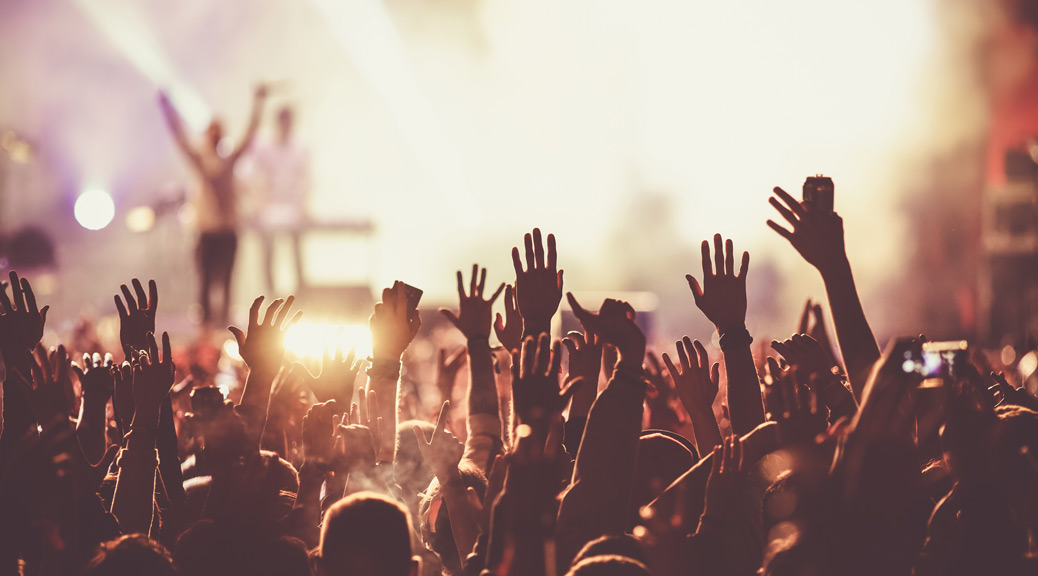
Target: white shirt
(284,179)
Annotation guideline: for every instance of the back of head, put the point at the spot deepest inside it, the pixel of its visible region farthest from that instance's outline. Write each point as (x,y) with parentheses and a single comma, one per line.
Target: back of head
(220,547)
(366,534)
(610,565)
(662,458)
(619,545)
(130,555)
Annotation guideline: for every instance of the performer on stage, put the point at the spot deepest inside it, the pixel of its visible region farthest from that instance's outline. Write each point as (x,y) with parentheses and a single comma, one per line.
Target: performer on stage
(283,167)
(216,209)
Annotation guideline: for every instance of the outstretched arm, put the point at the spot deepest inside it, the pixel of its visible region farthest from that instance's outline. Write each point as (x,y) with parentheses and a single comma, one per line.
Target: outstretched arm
(818,237)
(474,321)
(722,298)
(132,503)
(598,501)
(259,98)
(393,326)
(96,383)
(176,127)
(262,347)
(697,383)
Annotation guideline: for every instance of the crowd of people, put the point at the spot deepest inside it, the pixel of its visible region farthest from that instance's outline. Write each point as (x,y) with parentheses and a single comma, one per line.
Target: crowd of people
(589,455)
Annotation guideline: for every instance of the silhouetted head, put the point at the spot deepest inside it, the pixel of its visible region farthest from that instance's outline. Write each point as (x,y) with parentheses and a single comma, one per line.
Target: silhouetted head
(609,566)
(662,458)
(623,545)
(366,534)
(214,133)
(131,555)
(215,548)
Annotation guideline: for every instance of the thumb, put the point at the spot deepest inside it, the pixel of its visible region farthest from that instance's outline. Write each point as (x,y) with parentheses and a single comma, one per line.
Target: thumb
(239,336)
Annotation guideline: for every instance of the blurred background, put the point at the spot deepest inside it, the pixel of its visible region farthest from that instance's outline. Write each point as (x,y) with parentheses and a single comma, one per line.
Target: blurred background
(442,130)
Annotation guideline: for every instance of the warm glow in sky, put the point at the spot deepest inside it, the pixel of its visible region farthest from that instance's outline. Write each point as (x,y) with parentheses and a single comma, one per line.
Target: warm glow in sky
(458,125)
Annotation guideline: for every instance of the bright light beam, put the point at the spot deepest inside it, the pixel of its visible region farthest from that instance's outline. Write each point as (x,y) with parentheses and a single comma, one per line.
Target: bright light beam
(367,36)
(123,26)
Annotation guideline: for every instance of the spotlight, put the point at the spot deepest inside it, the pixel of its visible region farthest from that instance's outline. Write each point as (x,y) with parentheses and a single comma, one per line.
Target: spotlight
(94,209)
(312,339)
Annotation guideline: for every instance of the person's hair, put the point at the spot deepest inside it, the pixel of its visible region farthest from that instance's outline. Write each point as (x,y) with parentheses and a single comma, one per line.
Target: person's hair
(608,565)
(131,554)
(662,459)
(613,545)
(366,534)
(441,538)
(233,547)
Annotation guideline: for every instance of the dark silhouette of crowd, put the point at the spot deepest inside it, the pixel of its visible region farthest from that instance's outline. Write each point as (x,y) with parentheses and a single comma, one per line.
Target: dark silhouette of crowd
(589,455)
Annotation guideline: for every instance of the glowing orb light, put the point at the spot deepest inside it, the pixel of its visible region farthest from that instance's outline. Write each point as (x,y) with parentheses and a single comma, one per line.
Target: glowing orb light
(94,209)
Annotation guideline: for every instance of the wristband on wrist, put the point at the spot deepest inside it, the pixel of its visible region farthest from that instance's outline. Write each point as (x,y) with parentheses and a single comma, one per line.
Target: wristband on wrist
(632,370)
(383,368)
(737,338)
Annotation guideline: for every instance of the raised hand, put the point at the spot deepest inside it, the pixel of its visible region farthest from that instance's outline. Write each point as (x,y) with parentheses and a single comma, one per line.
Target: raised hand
(812,323)
(263,347)
(447,368)
(319,433)
(660,397)
(473,318)
(152,381)
(614,324)
(443,451)
(21,320)
(44,387)
(791,404)
(336,380)
(538,289)
(695,379)
(697,384)
(806,355)
(817,236)
(137,315)
(1003,393)
(393,326)
(365,413)
(60,365)
(536,396)
(354,448)
(585,362)
(815,368)
(95,376)
(723,484)
(509,329)
(96,382)
(722,295)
